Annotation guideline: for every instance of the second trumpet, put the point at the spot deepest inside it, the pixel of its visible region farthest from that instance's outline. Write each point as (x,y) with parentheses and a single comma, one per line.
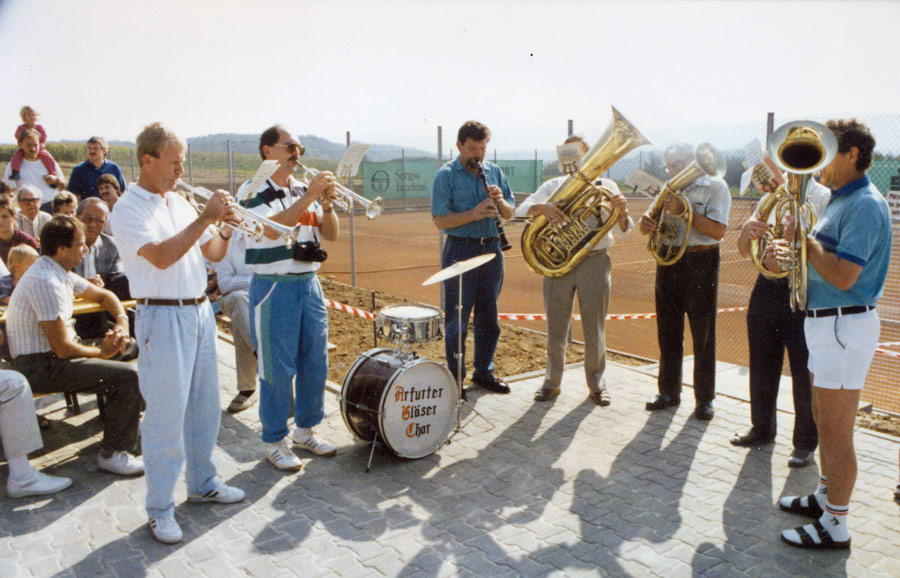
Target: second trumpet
(345,197)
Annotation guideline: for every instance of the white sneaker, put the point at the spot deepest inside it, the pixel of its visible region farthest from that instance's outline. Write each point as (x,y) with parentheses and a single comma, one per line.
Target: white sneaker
(242,401)
(166,530)
(40,484)
(122,464)
(306,438)
(281,455)
(223,494)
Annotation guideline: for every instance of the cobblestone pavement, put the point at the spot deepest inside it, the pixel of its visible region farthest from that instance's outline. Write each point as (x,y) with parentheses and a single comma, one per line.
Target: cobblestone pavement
(559,488)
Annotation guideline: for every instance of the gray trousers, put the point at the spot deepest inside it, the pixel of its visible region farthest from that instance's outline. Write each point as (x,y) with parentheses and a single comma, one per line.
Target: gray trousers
(18,422)
(591,280)
(237,306)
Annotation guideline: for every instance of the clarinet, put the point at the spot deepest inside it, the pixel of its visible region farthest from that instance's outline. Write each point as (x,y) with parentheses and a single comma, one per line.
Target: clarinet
(504,243)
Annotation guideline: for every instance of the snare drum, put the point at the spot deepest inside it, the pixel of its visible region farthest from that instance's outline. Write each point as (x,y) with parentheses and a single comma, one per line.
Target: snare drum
(410,403)
(410,323)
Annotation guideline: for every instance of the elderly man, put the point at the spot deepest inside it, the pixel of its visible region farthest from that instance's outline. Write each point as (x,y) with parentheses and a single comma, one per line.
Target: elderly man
(34,172)
(30,218)
(234,282)
(590,279)
(84,177)
(467,213)
(288,319)
(45,351)
(849,253)
(163,242)
(690,286)
(20,436)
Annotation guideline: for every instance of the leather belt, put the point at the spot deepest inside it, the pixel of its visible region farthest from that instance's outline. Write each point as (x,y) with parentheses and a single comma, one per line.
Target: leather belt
(697,248)
(475,240)
(172,302)
(839,311)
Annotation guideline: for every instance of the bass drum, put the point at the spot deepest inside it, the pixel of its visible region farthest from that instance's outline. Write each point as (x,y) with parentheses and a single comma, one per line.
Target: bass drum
(410,403)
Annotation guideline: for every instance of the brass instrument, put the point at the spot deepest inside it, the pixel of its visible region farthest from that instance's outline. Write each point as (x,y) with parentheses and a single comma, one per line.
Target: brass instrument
(554,251)
(708,161)
(251,224)
(345,197)
(799,148)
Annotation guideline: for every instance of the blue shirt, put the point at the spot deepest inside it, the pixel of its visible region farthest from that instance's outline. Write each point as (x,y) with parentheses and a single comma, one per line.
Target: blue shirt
(856,226)
(456,190)
(83,180)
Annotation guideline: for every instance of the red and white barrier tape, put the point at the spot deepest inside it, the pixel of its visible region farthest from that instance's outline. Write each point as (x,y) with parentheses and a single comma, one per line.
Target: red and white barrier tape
(887,353)
(350,309)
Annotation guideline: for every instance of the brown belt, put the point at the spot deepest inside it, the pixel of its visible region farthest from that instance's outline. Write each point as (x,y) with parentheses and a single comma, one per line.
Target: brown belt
(172,302)
(696,248)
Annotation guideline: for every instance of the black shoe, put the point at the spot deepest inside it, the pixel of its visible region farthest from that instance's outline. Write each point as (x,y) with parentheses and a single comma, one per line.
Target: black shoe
(491,383)
(14,176)
(750,438)
(704,411)
(662,401)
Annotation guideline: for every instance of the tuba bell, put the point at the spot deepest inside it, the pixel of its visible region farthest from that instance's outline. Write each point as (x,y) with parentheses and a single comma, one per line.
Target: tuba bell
(554,251)
(661,244)
(799,148)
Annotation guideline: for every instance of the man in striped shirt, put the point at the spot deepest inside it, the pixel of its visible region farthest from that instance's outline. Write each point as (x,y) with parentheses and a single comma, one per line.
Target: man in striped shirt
(288,319)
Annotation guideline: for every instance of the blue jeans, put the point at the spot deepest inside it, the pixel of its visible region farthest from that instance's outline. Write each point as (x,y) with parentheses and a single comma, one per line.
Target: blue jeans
(481,289)
(179,379)
(289,328)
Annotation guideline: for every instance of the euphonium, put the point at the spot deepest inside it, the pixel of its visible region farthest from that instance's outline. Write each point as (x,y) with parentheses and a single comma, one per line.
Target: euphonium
(708,161)
(799,148)
(554,251)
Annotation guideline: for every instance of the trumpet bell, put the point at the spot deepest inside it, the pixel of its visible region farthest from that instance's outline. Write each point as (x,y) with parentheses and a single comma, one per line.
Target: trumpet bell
(802,147)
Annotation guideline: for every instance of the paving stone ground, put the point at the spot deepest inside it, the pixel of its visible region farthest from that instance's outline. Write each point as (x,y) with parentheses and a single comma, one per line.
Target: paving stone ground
(564,488)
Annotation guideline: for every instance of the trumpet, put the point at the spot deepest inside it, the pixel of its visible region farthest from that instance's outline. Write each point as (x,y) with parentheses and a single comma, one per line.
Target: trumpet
(251,224)
(345,197)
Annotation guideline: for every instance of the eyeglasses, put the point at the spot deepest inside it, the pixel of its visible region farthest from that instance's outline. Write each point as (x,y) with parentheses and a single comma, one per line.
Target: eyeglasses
(34,200)
(299,148)
(98,220)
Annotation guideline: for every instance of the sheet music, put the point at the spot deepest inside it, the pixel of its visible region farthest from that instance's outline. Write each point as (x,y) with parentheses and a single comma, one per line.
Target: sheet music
(753,152)
(646,183)
(569,157)
(265,170)
(349,165)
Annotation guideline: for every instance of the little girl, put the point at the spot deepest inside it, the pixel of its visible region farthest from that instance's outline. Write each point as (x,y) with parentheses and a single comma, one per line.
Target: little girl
(29,119)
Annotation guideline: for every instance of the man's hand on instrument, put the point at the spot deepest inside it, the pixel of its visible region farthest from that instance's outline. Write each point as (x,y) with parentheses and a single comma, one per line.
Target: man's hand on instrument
(215,208)
(777,255)
(320,185)
(647,224)
(486,209)
(495,193)
(754,229)
(673,204)
(555,216)
(789,224)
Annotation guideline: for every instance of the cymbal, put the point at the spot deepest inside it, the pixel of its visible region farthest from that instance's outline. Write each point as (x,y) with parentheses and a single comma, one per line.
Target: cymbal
(459,268)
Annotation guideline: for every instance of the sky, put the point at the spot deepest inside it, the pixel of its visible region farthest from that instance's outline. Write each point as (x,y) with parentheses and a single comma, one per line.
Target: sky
(391,72)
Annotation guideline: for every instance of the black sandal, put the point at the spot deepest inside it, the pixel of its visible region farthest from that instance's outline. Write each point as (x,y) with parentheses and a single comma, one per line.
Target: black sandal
(813,510)
(807,542)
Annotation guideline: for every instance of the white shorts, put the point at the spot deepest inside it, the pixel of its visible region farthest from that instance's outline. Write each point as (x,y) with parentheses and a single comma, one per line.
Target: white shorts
(841,349)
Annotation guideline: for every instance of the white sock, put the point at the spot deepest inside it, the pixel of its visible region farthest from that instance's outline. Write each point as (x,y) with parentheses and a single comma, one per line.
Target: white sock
(820,495)
(835,521)
(20,470)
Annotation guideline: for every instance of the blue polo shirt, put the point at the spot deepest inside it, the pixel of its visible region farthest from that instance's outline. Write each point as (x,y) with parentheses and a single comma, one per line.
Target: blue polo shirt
(456,190)
(83,180)
(856,226)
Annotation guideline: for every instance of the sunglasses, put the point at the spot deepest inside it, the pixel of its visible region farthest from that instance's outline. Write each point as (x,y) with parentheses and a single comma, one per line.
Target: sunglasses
(293,147)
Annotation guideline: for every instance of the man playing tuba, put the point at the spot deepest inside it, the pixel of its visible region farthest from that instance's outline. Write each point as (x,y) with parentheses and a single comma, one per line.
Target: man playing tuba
(690,286)
(590,278)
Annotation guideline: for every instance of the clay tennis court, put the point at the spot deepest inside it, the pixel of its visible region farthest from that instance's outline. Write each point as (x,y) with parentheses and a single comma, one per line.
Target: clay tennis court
(398,251)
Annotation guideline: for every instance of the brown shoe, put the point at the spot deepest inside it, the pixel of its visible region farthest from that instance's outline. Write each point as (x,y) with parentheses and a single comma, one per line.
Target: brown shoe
(546,394)
(601,398)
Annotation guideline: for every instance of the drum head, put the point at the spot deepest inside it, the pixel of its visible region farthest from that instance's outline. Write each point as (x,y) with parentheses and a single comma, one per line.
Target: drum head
(410,312)
(418,409)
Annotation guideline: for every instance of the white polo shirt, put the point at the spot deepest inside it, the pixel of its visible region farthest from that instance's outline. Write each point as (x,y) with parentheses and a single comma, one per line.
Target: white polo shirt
(141,217)
(33,173)
(45,293)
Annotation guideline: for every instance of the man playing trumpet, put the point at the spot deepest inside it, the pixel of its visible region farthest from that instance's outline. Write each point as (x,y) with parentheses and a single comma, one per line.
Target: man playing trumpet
(590,279)
(288,319)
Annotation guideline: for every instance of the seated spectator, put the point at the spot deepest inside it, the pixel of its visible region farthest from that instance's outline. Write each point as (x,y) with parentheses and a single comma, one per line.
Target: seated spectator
(9,235)
(30,218)
(29,118)
(85,177)
(20,259)
(21,436)
(34,172)
(234,283)
(109,190)
(64,203)
(44,348)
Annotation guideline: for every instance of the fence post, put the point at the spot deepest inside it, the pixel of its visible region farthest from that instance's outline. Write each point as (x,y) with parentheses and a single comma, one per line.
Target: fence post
(440,156)
(190,157)
(403,178)
(571,127)
(538,172)
(133,176)
(352,231)
(230,166)
(770,127)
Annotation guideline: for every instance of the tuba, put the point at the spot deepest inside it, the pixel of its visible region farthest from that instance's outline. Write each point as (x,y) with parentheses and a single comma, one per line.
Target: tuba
(708,161)
(799,148)
(554,251)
